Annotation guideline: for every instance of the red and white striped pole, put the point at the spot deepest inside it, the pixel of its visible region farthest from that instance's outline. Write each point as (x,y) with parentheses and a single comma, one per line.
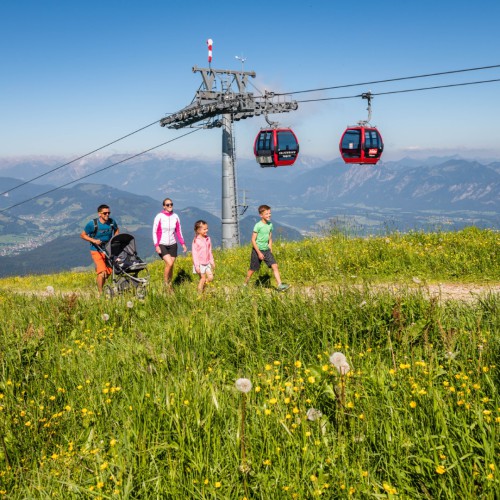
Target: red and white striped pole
(209,43)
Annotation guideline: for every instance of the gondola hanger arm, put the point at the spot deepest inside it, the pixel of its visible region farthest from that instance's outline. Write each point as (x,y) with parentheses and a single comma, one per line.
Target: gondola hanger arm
(270,122)
(368,96)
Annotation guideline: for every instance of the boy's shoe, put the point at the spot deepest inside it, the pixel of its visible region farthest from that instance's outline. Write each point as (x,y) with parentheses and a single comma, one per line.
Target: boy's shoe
(282,287)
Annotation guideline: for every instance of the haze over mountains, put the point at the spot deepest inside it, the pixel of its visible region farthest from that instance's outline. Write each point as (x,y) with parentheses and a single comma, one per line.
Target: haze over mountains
(309,197)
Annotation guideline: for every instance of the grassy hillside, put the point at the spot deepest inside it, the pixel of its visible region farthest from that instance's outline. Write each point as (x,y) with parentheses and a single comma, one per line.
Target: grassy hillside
(130,398)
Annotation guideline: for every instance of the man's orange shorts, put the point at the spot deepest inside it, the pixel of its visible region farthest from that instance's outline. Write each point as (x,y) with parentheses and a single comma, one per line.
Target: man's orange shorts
(100,262)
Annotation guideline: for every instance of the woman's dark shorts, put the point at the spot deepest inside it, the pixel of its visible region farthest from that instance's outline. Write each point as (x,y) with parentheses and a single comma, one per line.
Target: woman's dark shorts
(255,261)
(168,250)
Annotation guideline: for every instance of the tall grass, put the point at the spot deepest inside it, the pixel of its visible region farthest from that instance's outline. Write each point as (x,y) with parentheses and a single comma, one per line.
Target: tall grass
(471,255)
(137,399)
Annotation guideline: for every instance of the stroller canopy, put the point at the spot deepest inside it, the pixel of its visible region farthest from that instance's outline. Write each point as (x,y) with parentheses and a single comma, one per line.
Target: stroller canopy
(122,254)
(119,243)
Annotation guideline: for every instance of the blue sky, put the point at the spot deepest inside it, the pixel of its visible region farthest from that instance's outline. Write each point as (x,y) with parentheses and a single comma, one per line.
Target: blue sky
(79,74)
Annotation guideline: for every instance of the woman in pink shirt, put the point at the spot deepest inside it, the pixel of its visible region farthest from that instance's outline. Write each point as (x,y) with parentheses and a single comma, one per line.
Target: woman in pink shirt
(166,233)
(203,260)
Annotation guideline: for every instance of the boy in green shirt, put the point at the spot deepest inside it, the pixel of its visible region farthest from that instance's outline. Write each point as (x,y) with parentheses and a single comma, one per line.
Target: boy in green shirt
(262,243)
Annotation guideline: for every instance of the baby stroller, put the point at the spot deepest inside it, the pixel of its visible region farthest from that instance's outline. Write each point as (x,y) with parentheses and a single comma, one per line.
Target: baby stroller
(126,265)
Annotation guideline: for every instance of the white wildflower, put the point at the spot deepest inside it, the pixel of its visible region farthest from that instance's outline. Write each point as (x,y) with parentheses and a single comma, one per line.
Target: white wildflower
(313,414)
(244,385)
(130,304)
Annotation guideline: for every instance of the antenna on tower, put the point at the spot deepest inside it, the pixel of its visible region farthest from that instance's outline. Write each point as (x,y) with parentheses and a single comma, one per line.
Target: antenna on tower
(242,60)
(210,43)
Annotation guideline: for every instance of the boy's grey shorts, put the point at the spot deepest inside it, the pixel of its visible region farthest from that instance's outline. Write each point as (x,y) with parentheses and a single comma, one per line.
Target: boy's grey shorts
(255,261)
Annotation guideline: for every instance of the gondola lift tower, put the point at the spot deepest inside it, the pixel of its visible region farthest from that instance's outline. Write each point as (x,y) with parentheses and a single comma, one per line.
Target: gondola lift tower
(221,100)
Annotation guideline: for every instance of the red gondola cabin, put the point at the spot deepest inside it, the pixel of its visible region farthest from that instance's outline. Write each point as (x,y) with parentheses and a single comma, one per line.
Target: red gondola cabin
(276,147)
(361,145)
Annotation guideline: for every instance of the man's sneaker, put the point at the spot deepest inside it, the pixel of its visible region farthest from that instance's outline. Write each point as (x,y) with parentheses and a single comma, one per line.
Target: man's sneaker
(282,287)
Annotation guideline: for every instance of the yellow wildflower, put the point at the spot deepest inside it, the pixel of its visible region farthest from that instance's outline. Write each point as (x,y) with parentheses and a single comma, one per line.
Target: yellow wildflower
(440,469)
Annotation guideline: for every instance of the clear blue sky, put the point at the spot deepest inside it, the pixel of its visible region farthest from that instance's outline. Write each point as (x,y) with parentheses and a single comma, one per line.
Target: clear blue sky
(77,74)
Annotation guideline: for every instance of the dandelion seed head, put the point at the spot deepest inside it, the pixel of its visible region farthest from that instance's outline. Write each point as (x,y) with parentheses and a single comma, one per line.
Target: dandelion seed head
(313,414)
(105,317)
(245,468)
(130,304)
(337,359)
(50,290)
(243,385)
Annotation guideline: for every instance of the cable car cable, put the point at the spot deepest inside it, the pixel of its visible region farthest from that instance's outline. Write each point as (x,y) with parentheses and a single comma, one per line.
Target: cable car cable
(402,91)
(76,159)
(98,171)
(391,80)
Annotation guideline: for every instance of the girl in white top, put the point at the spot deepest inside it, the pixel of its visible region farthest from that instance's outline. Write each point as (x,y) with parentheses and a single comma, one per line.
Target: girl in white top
(166,233)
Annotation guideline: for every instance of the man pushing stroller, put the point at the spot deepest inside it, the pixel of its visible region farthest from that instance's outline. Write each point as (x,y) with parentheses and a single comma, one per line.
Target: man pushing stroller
(98,232)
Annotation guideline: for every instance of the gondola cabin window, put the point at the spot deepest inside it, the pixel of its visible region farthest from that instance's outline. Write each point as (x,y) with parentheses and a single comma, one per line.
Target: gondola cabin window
(351,144)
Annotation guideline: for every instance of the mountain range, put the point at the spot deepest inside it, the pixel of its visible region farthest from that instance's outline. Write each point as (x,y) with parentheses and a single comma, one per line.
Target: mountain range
(45,237)
(310,197)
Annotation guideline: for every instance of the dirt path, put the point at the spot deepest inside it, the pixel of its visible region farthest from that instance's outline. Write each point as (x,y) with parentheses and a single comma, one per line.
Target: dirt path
(467,292)
(460,291)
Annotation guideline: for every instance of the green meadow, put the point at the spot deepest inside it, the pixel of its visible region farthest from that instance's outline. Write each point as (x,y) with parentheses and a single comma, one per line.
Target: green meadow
(355,383)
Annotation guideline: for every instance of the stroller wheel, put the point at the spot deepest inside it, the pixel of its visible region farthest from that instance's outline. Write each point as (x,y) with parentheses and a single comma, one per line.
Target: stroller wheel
(141,291)
(109,292)
(122,285)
